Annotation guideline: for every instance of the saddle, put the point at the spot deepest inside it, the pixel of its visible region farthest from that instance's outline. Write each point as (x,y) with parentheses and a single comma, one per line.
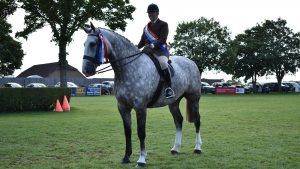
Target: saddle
(161,82)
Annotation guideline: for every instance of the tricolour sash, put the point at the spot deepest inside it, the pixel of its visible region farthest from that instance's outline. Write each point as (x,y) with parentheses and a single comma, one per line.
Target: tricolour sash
(152,37)
(101,56)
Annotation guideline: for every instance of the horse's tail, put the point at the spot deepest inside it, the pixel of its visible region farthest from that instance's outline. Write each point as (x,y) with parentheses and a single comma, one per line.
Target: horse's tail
(189,113)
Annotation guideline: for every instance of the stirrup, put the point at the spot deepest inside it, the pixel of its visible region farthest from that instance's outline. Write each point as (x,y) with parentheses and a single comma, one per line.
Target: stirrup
(169,93)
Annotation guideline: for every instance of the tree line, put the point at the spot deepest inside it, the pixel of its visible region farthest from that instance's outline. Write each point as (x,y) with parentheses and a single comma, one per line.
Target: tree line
(270,47)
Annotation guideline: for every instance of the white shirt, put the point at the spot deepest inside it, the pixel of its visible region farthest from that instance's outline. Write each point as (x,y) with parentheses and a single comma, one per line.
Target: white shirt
(154,21)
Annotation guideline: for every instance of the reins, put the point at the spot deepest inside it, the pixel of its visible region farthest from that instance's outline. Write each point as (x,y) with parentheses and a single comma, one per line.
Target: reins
(105,69)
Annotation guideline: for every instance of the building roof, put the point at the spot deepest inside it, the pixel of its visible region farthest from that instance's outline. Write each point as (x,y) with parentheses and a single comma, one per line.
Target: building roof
(44,70)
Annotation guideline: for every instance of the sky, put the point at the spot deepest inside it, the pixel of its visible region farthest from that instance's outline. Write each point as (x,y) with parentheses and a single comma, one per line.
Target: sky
(236,15)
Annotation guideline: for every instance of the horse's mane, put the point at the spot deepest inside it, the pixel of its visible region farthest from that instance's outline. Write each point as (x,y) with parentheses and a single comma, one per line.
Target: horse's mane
(128,42)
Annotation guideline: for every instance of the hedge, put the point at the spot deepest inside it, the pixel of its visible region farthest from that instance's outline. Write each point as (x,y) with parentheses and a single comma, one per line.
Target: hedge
(31,99)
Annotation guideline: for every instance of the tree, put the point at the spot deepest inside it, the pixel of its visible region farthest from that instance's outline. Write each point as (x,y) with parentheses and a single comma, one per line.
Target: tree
(7,7)
(245,57)
(67,16)
(202,40)
(282,48)
(11,53)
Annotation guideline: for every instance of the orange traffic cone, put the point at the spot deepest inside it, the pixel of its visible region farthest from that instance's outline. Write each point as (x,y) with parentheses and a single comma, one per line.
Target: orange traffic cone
(58,107)
(65,104)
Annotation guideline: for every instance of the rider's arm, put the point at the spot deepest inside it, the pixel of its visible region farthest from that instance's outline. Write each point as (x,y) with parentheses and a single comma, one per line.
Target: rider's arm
(163,34)
(142,42)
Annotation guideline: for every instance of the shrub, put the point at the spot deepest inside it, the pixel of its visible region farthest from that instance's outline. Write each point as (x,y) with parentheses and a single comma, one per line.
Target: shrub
(31,99)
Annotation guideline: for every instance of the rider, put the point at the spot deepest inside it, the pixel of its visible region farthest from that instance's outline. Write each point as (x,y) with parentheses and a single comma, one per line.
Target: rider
(154,41)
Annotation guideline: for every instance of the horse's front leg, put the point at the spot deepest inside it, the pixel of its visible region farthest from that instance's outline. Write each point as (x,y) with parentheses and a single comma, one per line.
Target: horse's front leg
(141,115)
(126,117)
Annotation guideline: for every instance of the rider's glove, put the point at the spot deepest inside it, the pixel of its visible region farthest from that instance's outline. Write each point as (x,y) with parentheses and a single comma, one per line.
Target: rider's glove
(152,46)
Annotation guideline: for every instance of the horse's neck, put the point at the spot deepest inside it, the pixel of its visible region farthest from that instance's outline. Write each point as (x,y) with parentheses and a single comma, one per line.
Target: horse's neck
(128,68)
(131,68)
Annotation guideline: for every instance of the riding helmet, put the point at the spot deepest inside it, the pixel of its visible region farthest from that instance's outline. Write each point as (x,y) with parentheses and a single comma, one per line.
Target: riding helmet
(152,8)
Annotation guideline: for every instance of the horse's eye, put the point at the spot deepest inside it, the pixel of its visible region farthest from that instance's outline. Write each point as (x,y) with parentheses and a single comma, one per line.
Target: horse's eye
(92,44)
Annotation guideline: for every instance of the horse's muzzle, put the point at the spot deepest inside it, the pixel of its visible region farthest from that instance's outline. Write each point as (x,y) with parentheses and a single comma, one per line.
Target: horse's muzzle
(88,74)
(88,68)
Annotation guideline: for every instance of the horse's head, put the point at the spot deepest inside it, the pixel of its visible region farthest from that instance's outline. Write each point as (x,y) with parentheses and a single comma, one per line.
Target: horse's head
(103,45)
(95,50)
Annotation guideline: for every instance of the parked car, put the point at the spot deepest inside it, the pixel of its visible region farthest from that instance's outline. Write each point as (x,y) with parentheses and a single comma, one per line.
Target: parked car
(105,90)
(34,76)
(260,88)
(12,85)
(69,84)
(289,85)
(274,87)
(221,84)
(294,87)
(36,85)
(206,88)
(109,84)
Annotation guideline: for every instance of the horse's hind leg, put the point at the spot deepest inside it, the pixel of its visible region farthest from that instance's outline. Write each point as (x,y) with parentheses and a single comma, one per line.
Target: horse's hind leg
(193,109)
(126,117)
(178,119)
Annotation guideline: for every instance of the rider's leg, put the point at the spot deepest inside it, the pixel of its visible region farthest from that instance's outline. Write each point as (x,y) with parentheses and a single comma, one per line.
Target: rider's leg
(169,91)
(163,61)
(164,66)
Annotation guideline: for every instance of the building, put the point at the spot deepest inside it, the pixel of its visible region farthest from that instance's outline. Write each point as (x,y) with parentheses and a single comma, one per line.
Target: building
(49,74)
(51,70)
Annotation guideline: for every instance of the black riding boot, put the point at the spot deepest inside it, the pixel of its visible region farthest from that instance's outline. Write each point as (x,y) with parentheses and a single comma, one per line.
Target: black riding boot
(169,91)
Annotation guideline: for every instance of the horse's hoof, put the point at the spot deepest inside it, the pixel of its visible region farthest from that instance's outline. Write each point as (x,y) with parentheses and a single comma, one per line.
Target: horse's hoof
(125,160)
(173,152)
(197,151)
(140,165)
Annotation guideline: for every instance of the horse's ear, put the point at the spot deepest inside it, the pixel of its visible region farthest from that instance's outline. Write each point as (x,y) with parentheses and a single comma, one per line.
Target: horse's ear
(93,27)
(87,28)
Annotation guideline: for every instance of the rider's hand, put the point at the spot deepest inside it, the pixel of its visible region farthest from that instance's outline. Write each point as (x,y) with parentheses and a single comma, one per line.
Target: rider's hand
(152,46)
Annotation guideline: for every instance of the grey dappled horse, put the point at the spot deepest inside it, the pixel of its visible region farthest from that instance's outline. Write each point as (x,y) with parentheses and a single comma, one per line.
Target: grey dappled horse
(136,80)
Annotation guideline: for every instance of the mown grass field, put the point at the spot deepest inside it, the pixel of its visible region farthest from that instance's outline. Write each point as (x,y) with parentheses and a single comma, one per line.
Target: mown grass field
(244,131)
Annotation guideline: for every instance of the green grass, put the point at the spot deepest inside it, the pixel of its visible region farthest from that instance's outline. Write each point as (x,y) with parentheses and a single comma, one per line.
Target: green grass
(242,131)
